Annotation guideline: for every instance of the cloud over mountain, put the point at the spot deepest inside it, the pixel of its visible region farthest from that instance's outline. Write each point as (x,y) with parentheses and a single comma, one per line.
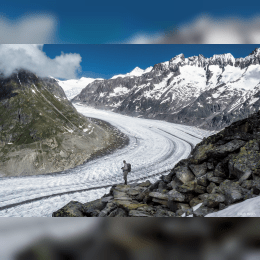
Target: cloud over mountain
(31,57)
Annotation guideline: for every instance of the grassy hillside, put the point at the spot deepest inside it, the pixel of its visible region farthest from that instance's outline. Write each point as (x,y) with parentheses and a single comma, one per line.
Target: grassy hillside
(40,131)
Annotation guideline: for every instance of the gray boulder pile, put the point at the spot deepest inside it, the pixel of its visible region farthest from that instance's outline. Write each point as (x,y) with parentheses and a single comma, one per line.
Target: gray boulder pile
(223,169)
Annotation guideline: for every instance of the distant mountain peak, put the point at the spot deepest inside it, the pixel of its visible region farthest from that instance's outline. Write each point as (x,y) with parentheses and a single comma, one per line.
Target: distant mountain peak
(136,70)
(255,52)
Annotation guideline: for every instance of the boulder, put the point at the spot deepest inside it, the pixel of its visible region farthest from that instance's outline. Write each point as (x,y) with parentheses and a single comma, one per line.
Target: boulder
(140,197)
(106,199)
(200,153)
(245,176)
(145,184)
(202,180)
(183,174)
(199,189)
(174,195)
(160,201)
(232,191)
(216,190)
(179,197)
(221,206)
(174,183)
(135,191)
(183,206)
(119,195)
(244,162)
(187,187)
(199,170)
(72,209)
(212,178)
(118,212)
(220,171)
(195,201)
(154,186)
(213,200)
(93,207)
(164,213)
(139,213)
(211,186)
(223,150)
(162,186)
(233,196)
(107,210)
(158,195)
(128,205)
(256,187)
(247,184)
(210,166)
(202,211)
(121,187)
(168,178)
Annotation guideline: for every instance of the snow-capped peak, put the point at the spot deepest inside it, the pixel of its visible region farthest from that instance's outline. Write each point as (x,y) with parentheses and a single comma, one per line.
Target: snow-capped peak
(224,57)
(178,58)
(136,72)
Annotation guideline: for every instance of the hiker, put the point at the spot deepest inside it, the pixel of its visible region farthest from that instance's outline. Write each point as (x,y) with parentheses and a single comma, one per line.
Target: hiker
(126,169)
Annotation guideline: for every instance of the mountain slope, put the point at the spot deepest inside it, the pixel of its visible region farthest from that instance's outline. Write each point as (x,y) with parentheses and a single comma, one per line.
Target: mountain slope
(40,130)
(207,92)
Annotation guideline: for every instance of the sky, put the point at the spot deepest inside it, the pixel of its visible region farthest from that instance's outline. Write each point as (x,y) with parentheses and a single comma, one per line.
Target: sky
(73,61)
(78,21)
(107,60)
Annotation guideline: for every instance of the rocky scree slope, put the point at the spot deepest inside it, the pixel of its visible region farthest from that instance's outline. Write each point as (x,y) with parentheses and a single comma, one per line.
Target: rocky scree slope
(222,170)
(210,93)
(40,130)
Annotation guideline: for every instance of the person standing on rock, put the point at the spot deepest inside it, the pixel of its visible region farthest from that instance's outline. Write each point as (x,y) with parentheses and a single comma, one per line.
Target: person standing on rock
(125,170)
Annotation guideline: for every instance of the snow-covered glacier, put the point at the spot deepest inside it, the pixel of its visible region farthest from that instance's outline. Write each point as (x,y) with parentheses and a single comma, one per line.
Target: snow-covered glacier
(154,148)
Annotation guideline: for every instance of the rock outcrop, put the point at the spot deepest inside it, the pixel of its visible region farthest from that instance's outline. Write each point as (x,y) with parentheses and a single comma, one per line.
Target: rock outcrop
(222,170)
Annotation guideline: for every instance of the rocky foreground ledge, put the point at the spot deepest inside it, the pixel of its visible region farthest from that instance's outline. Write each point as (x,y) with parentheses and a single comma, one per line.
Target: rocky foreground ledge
(222,170)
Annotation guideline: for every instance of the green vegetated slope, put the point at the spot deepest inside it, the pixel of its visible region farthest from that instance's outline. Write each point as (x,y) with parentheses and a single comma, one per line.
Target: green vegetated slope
(41,132)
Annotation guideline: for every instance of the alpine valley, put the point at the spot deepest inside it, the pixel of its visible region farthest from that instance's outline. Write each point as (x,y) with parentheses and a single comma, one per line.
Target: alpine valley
(209,93)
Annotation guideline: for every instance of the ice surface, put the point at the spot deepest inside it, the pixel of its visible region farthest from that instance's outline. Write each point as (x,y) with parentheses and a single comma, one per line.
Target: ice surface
(154,148)
(247,208)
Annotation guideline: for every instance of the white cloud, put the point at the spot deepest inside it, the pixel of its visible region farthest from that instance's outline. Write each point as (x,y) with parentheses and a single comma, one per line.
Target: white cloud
(207,30)
(31,57)
(28,29)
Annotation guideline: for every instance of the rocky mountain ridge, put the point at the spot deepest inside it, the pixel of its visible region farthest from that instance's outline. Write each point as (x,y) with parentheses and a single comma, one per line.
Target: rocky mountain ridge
(40,130)
(210,93)
(222,170)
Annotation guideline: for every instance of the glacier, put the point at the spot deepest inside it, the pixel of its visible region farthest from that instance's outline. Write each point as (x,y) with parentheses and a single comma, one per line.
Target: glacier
(154,148)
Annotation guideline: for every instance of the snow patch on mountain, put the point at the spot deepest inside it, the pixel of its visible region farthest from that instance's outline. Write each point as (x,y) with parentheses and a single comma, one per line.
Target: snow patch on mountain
(73,87)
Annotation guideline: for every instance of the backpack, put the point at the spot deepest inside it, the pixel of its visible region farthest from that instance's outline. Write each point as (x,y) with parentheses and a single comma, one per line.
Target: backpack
(129,167)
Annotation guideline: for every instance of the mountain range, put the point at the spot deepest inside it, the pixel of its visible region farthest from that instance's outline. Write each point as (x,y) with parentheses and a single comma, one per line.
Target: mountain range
(210,93)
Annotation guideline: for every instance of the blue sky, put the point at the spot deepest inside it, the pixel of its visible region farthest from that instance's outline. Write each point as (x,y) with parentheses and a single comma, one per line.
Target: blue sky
(107,60)
(111,21)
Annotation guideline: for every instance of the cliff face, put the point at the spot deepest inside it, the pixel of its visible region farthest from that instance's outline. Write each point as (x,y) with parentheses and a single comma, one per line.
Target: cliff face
(222,170)
(40,130)
(210,93)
